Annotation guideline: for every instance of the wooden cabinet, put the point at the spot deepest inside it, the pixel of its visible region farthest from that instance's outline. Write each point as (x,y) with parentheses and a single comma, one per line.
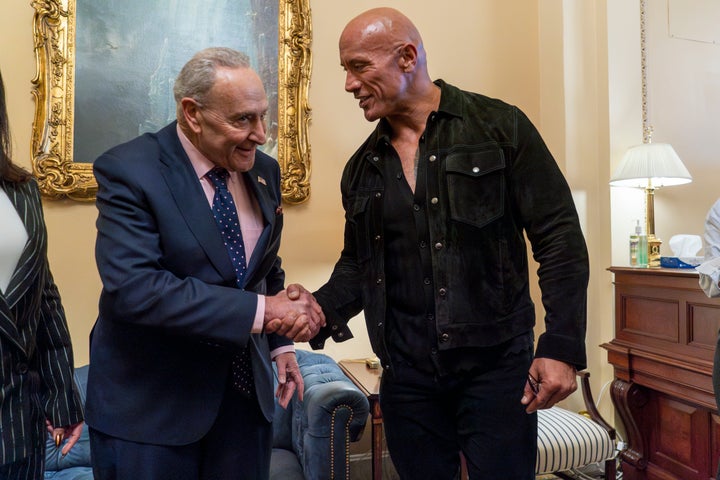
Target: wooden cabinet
(666,330)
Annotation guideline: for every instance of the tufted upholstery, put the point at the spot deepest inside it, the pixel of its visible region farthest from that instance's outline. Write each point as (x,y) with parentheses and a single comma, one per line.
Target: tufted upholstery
(311,439)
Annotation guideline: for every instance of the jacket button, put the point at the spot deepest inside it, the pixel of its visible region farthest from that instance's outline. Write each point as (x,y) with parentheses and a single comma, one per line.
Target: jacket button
(334,327)
(378,195)
(21,368)
(434,200)
(416,207)
(444,337)
(376,158)
(426,281)
(377,238)
(438,246)
(442,292)
(432,158)
(378,281)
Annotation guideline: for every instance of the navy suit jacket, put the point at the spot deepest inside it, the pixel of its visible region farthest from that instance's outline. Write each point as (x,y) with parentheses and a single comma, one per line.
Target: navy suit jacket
(170,314)
(35,344)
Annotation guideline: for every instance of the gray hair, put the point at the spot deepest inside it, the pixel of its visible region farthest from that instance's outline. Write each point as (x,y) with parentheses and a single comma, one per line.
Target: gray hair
(197,76)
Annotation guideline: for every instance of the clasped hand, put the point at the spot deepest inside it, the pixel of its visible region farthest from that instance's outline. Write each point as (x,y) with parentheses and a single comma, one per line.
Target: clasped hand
(293,313)
(71,433)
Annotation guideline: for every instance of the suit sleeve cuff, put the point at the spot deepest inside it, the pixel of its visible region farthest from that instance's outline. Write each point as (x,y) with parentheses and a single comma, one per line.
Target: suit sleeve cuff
(258,323)
(283,349)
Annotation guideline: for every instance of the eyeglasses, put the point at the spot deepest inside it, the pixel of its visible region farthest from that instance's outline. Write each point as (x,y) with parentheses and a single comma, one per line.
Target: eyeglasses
(534,383)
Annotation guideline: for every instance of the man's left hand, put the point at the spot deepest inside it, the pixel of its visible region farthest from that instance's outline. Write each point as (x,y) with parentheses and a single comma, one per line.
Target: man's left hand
(289,378)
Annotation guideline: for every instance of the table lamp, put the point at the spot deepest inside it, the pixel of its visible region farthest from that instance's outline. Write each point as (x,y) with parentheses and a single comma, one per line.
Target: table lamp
(651,166)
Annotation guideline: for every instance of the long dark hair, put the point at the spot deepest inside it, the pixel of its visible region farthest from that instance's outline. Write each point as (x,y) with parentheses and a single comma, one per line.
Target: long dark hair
(8,170)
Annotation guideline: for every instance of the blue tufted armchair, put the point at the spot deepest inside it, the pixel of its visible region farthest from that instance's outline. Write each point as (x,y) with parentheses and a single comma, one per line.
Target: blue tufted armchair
(311,439)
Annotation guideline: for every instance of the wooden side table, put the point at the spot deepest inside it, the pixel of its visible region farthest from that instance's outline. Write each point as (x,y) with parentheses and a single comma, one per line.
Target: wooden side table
(368,381)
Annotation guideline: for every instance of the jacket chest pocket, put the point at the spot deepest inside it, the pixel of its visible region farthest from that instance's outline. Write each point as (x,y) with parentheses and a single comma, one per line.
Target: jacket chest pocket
(476,186)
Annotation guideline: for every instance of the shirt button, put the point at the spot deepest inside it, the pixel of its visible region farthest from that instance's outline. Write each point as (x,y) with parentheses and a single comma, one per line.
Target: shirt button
(378,281)
(379,324)
(444,337)
(376,159)
(422,244)
(438,246)
(442,292)
(476,170)
(334,327)
(426,281)
(416,207)
(434,200)
(432,158)
(378,194)
(340,335)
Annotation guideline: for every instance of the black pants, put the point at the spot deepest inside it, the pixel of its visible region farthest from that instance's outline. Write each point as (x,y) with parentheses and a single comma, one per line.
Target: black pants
(429,420)
(238,446)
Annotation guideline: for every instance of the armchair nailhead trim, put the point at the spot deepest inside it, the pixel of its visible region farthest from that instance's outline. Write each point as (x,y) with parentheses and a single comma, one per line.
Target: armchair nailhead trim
(347,441)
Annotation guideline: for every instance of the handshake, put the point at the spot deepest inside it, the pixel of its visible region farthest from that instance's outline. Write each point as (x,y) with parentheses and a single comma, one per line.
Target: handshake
(293,313)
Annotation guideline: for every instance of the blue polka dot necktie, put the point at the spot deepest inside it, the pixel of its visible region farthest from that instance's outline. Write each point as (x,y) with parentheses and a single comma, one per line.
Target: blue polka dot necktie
(226,218)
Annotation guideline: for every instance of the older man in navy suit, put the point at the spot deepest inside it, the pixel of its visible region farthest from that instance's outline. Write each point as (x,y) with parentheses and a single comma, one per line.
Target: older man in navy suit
(193,305)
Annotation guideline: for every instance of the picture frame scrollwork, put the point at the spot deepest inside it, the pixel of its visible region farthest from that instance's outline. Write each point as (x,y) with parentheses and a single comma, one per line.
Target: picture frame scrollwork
(59,176)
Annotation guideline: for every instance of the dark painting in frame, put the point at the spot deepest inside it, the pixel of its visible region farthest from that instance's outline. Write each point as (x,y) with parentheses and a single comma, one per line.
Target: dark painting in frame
(105,76)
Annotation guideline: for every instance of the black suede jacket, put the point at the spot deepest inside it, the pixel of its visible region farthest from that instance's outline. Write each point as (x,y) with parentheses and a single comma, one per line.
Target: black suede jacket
(489,178)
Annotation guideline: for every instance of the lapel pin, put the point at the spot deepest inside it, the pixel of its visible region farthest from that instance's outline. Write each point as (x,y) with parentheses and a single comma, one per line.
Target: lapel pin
(262,180)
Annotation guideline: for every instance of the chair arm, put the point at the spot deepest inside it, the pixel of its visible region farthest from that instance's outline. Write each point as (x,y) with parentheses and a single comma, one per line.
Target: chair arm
(333,414)
(590,404)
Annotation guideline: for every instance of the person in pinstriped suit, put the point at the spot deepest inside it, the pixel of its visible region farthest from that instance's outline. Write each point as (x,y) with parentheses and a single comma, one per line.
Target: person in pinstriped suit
(37,390)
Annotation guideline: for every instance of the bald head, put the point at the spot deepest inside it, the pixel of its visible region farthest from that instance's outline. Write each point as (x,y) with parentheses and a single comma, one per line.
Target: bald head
(382,28)
(385,66)
(386,22)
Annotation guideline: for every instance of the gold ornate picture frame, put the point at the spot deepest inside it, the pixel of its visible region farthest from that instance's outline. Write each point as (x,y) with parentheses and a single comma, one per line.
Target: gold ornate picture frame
(59,176)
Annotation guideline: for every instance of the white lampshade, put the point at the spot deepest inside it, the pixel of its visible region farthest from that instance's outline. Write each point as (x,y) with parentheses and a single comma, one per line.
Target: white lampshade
(651,165)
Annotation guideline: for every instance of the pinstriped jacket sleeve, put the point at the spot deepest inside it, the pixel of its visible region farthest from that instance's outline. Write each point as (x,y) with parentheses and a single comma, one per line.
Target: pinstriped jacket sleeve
(62,403)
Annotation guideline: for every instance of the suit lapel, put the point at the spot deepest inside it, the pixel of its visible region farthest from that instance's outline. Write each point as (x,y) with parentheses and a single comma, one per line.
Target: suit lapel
(26,200)
(266,207)
(185,188)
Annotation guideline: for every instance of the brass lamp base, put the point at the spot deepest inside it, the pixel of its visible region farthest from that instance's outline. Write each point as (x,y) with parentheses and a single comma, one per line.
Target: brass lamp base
(653,251)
